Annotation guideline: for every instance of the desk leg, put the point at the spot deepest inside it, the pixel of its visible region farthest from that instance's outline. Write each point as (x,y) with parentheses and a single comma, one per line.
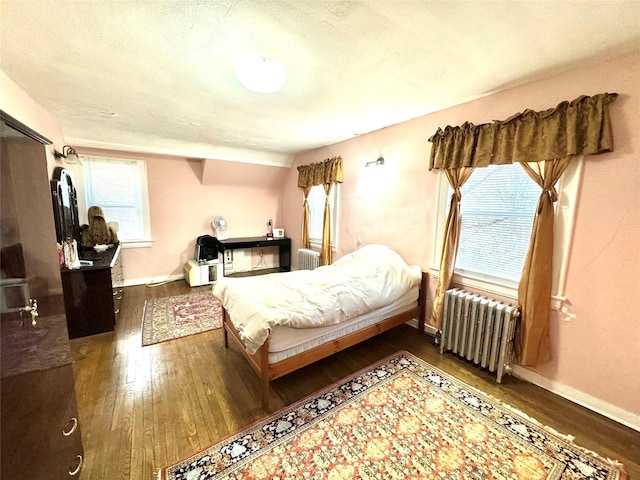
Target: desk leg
(284,253)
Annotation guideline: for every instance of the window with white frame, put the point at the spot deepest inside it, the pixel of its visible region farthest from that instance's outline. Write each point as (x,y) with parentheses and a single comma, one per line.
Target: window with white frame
(497,210)
(316,201)
(119,187)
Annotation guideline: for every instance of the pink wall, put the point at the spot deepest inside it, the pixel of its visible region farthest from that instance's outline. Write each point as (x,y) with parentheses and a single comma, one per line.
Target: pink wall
(182,208)
(597,355)
(15,102)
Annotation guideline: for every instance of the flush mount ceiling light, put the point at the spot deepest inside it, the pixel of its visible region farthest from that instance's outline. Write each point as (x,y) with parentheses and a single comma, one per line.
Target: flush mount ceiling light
(259,73)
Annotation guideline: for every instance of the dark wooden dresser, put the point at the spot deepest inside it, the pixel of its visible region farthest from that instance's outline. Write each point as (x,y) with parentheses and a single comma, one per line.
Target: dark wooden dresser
(92,293)
(40,429)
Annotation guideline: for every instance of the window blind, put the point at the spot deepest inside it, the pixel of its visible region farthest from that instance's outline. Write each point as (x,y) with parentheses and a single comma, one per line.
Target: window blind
(497,210)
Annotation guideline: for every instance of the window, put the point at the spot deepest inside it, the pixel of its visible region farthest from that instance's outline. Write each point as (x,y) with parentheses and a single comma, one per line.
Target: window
(497,217)
(497,210)
(316,201)
(119,186)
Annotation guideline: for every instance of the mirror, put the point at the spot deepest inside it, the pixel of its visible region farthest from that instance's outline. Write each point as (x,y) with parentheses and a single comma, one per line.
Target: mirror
(65,206)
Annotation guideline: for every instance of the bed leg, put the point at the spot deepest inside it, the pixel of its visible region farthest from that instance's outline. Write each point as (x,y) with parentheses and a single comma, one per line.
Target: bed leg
(265,374)
(225,319)
(422,300)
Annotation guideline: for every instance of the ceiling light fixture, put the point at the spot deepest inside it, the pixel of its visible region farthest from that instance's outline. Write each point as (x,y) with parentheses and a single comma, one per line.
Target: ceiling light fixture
(260,74)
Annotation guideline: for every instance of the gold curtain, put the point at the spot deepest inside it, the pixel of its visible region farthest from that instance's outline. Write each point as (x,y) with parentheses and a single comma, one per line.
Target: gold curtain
(304,238)
(325,252)
(457,177)
(534,292)
(324,173)
(311,175)
(579,127)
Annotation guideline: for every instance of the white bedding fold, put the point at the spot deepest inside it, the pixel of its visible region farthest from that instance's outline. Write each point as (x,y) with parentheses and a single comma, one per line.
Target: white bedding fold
(360,282)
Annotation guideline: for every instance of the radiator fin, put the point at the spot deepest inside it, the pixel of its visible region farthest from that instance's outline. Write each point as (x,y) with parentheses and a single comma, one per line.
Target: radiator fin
(308,259)
(479,329)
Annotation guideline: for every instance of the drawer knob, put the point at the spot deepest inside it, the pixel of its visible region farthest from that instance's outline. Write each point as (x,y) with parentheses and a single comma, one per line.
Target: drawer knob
(75,467)
(70,427)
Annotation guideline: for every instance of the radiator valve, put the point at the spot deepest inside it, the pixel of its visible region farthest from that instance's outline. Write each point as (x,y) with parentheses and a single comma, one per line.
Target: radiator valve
(567,314)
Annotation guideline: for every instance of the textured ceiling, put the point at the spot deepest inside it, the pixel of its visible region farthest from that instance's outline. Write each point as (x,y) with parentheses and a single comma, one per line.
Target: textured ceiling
(157,76)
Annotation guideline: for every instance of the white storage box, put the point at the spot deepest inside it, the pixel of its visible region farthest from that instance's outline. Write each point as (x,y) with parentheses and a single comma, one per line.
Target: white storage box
(198,274)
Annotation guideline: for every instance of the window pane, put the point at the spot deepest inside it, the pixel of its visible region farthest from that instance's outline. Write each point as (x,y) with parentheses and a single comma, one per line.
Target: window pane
(316,201)
(130,227)
(497,208)
(115,184)
(117,187)
(316,209)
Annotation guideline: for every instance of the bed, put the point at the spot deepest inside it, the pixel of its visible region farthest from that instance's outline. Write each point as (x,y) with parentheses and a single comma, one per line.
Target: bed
(286,321)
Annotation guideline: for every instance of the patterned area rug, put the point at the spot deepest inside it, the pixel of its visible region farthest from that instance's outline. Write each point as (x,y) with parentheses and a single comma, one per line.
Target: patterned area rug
(179,316)
(400,418)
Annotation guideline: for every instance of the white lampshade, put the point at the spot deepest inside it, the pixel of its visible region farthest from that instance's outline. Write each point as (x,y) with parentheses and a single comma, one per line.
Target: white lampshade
(259,73)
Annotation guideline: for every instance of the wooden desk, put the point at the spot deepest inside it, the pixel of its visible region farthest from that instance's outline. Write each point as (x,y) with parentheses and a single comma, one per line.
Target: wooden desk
(283,244)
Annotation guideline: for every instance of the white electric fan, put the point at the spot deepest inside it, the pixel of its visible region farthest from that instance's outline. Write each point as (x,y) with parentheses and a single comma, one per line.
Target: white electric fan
(220,225)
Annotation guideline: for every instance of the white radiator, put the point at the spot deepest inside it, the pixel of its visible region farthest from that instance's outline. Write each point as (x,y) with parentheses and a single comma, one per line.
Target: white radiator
(479,329)
(308,259)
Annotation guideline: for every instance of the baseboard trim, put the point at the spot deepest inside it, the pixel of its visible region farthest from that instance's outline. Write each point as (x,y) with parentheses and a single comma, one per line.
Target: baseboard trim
(428,329)
(152,280)
(597,405)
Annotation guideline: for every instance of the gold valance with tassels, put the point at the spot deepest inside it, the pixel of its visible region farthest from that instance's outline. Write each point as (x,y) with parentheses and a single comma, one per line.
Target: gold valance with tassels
(580,127)
(322,173)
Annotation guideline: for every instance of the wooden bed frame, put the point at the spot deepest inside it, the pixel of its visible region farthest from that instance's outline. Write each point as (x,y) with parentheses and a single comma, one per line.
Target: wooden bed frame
(270,371)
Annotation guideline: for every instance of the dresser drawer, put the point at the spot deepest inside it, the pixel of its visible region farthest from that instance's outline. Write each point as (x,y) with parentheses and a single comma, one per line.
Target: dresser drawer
(117,285)
(39,438)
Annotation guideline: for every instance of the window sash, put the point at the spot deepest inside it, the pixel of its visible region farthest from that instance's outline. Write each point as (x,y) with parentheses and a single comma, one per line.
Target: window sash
(120,188)
(497,210)
(316,201)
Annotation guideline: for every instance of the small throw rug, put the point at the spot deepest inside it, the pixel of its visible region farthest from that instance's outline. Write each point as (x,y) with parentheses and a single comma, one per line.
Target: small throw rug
(400,418)
(179,316)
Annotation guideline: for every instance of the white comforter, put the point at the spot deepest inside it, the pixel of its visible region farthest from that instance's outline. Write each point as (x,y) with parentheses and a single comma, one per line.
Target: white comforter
(357,283)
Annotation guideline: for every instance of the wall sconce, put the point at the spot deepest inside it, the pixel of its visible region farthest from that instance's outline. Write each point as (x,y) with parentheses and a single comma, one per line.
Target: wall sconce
(67,152)
(378,161)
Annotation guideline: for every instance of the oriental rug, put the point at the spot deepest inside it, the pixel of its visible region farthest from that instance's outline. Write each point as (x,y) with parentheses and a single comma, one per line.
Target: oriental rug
(400,418)
(179,316)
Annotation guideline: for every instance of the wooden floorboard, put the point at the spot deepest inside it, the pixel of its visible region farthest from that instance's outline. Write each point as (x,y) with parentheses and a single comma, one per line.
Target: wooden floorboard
(142,408)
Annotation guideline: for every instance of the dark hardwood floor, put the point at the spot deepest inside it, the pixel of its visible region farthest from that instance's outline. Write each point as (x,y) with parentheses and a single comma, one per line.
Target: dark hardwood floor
(143,408)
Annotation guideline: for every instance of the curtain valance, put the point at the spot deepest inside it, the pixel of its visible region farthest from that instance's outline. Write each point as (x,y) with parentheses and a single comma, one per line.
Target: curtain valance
(580,127)
(322,173)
